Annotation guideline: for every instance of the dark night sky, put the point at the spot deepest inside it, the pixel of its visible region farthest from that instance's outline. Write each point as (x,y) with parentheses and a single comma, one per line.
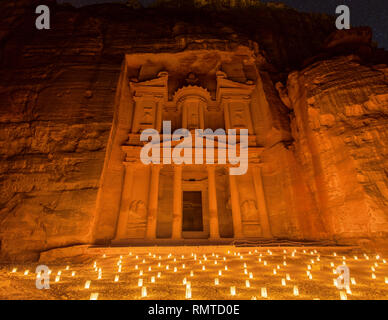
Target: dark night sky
(373,13)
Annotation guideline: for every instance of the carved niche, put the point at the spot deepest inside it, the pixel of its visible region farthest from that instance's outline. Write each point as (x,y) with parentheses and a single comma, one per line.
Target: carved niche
(235,100)
(192,101)
(149,97)
(249,212)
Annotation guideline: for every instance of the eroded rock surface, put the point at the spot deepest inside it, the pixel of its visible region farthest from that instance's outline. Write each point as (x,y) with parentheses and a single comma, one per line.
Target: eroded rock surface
(340,129)
(57,96)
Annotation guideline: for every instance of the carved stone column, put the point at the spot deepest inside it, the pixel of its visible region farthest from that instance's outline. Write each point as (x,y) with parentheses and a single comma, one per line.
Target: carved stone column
(235,202)
(261,204)
(153,203)
(121,228)
(213,213)
(177,204)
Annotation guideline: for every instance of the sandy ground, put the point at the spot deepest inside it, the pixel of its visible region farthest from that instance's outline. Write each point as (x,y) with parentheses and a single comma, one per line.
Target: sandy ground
(368,274)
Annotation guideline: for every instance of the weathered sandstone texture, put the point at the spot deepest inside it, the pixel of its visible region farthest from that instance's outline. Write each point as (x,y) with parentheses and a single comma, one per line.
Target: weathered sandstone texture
(340,126)
(324,132)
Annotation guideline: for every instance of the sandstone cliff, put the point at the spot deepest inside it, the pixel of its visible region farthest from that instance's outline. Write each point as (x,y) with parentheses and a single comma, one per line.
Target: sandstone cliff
(57,92)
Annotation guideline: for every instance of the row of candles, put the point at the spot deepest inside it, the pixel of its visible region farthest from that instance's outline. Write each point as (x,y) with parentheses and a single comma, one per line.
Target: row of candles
(233,291)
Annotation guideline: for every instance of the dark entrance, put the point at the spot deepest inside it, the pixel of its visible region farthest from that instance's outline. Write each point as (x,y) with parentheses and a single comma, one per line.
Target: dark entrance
(192,211)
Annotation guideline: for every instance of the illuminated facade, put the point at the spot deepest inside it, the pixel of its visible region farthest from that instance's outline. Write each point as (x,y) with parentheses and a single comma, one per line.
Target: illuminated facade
(188,201)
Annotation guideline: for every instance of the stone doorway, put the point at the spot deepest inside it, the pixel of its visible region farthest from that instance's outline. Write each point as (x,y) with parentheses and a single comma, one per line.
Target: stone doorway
(192,211)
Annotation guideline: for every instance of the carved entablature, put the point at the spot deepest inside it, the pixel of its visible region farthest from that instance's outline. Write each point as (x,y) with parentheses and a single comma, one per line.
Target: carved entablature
(235,100)
(149,97)
(192,106)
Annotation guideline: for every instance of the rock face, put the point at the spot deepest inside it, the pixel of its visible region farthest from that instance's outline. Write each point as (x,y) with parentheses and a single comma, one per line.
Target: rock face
(340,129)
(325,136)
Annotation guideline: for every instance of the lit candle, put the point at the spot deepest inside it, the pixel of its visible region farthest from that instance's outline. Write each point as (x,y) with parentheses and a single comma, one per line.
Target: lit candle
(94,296)
(188,293)
(159,274)
(296,291)
(264,292)
(219,272)
(348,291)
(140,283)
(152,279)
(250,275)
(386,279)
(353,281)
(116,278)
(14,270)
(87,284)
(373,276)
(216,281)
(343,295)
(143,292)
(73,273)
(57,278)
(184,281)
(26,272)
(175,269)
(283,282)
(233,290)
(67,267)
(247,283)
(288,277)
